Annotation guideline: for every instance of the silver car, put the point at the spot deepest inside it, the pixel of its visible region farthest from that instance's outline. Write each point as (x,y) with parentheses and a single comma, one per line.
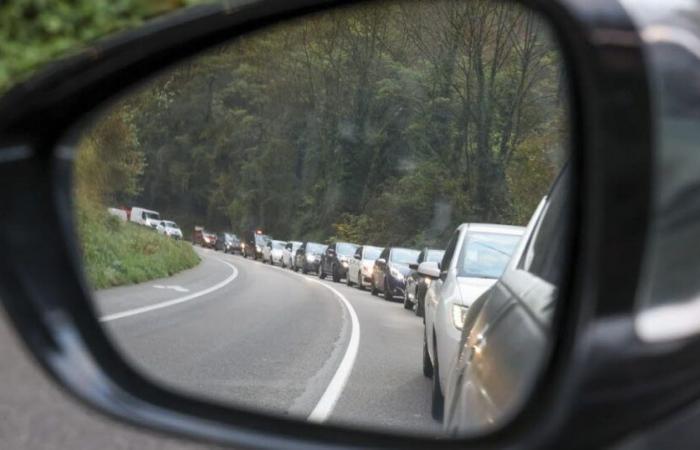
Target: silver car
(475,257)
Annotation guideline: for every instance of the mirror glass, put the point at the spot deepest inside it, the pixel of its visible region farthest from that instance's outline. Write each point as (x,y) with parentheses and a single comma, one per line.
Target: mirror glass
(405,131)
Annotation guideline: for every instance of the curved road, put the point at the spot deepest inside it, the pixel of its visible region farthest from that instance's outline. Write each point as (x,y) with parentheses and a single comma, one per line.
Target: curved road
(263,337)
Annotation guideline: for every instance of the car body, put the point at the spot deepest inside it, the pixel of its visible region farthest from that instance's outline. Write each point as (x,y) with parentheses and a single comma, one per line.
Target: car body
(204,238)
(335,260)
(169,228)
(288,253)
(416,283)
(228,242)
(308,257)
(143,216)
(475,257)
(361,266)
(390,271)
(507,328)
(253,243)
(272,252)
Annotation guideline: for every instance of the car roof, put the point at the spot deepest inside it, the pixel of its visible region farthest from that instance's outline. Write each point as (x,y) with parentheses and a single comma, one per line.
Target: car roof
(493,228)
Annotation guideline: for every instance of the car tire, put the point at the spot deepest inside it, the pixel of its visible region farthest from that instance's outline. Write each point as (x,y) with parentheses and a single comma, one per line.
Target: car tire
(387,293)
(407,304)
(335,275)
(321,274)
(437,408)
(420,307)
(374,291)
(427,364)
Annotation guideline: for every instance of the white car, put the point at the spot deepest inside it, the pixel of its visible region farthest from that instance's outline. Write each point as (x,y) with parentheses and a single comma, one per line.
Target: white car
(169,228)
(288,254)
(272,252)
(475,257)
(361,265)
(144,216)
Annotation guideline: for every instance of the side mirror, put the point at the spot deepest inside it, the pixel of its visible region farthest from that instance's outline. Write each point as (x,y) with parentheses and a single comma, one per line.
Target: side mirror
(429,269)
(413,266)
(380,261)
(357,257)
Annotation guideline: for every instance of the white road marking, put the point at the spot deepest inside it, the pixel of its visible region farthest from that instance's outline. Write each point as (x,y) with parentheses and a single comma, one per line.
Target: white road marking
(171,286)
(329,399)
(176,301)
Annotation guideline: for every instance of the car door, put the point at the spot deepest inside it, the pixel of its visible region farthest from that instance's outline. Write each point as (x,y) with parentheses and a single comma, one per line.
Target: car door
(437,290)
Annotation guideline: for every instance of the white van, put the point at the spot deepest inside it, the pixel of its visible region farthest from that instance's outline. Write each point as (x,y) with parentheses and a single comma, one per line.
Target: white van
(145,217)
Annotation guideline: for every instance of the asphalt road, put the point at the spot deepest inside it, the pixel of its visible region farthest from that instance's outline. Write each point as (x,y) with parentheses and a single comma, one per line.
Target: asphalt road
(265,338)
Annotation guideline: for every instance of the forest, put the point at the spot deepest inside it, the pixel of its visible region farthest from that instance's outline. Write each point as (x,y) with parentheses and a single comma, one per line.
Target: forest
(386,123)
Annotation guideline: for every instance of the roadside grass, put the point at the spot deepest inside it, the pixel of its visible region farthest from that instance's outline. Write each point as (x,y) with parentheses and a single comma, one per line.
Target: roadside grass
(117,253)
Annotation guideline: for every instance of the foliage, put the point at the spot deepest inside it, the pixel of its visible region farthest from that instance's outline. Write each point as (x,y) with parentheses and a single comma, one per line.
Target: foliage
(34,32)
(387,123)
(117,252)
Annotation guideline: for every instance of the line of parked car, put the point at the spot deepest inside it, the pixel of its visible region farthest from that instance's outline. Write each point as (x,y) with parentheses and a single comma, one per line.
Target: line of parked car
(486,300)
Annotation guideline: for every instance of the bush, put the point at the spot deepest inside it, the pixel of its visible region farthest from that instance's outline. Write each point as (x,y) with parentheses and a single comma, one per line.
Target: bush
(117,253)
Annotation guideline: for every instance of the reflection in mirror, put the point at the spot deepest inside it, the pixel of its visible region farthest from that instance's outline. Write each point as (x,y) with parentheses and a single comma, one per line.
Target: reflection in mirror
(422,135)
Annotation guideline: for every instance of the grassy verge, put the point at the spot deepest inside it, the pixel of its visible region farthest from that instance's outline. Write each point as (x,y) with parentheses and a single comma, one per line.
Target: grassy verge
(117,253)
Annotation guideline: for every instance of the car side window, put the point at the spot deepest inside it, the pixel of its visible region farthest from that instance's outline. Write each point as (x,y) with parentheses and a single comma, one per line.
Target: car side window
(358,253)
(449,251)
(539,258)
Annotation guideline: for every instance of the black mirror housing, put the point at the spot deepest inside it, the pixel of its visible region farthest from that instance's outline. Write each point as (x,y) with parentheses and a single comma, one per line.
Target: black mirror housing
(47,299)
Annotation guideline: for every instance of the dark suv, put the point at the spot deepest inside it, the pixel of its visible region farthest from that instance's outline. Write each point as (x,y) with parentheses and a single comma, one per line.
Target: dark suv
(308,256)
(227,243)
(334,260)
(253,243)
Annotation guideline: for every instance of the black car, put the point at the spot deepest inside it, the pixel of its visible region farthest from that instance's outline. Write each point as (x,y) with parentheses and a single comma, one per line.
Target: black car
(390,271)
(227,243)
(335,259)
(506,330)
(308,256)
(253,243)
(417,284)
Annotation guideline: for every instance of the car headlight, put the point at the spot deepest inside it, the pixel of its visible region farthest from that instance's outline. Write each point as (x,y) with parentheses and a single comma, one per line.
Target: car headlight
(310,258)
(344,264)
(459,315)
(257,248)
(396,274)
(206,239)
(427,281)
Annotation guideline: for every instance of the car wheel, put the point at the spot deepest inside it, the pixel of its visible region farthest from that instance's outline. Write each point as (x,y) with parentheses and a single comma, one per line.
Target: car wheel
(321,275)
(407,304)
(438,404)
(374,291)
(360,284)
(335,274)
(387,292)
(427,364)
(420,307)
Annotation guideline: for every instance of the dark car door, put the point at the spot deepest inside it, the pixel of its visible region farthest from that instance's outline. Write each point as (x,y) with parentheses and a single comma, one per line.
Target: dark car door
(507,340)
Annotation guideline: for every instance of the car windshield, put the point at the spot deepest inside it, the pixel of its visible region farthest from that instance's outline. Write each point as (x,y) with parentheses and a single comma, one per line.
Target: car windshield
(346,249)
(296,245)
(169,224)
(372,253)
(313,247)
(262,239)
(278,244)
(150,215)
(404,256)
(485,255)
(434,255)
